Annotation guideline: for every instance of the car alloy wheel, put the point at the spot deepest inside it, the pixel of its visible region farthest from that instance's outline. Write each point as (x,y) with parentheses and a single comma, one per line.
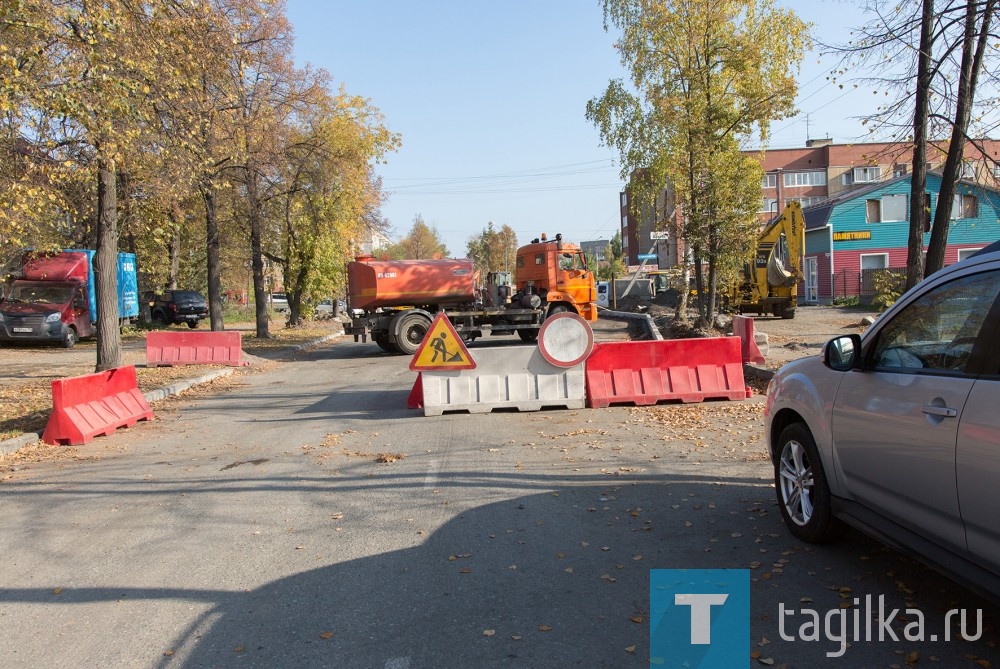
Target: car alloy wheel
(803,491)
(796,482)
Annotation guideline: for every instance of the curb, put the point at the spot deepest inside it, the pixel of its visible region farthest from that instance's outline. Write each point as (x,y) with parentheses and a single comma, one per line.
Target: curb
(654,332)
(16,443)
(762,373)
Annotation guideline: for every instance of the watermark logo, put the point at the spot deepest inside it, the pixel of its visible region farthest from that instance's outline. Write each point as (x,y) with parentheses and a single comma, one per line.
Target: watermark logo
(871,620)
(699,618)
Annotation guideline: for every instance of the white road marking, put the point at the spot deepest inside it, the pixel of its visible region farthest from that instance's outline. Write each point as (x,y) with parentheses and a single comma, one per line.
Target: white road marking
(398,663)
(432,474)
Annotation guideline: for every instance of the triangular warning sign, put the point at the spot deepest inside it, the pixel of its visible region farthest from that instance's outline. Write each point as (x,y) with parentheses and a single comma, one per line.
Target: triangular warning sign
(441,348)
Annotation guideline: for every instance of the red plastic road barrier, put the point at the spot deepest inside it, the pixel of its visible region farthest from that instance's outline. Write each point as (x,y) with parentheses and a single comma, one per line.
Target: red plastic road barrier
(743,328)
(416,397)
(84,407)
(194,348)
(647,372)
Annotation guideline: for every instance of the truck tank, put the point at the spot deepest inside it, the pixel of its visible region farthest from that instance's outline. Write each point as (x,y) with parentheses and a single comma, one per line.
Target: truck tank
(394,283)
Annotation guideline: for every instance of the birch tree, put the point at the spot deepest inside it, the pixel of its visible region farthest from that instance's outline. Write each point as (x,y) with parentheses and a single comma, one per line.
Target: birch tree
(703,77)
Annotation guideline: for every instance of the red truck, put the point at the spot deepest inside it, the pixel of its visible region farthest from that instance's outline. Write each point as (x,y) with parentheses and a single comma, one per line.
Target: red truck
(394,301)
(54,299)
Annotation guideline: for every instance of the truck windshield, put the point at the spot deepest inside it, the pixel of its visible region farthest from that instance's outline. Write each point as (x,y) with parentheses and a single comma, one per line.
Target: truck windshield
(34,293)
(571,261)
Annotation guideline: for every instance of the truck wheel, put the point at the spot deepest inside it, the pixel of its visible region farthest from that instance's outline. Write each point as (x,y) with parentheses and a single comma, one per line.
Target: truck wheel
(69,339)
(192,324)
(159,319)
(788,313)
(411,332)
(383,343)
(528,335)
(557,309)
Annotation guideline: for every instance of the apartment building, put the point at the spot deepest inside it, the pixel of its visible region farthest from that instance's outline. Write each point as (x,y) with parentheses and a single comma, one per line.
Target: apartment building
(817,172)
(822,169)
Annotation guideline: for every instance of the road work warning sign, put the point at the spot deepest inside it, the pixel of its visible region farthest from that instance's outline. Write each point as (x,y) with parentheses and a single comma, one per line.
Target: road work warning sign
(441,348)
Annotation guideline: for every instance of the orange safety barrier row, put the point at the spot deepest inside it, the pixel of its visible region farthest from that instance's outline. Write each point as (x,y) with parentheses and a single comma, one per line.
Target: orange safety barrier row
(647,372)
(194,348)
(743,328)
(84,407)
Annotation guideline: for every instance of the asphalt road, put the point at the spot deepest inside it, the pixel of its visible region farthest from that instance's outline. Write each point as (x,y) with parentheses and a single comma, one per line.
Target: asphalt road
(305,517)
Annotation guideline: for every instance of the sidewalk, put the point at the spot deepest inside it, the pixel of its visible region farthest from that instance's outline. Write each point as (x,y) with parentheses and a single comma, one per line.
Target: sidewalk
(14,444)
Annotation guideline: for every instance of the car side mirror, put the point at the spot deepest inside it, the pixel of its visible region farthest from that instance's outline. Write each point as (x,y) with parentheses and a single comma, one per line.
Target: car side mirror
(842,353)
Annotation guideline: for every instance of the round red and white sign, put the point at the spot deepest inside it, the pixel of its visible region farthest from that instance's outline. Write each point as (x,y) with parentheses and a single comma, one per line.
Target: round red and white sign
(565,339)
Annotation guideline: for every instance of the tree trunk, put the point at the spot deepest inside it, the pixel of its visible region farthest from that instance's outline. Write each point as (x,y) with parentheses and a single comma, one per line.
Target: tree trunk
(214,262)
(972,60)
(699,283)
(174,251)
(713,256)
(109,343)
(919,214)
(256,256)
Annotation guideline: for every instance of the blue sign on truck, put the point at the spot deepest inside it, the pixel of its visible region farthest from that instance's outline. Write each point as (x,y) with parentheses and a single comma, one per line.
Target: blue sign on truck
(54,300)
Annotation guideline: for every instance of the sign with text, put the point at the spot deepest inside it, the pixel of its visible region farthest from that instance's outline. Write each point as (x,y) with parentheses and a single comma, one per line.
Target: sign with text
(852,235)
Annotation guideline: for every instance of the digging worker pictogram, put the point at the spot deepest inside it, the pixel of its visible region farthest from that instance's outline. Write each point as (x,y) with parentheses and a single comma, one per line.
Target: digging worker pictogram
(440,346)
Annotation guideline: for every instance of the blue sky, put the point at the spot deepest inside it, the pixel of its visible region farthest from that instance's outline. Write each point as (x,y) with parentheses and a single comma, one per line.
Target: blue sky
(489,99)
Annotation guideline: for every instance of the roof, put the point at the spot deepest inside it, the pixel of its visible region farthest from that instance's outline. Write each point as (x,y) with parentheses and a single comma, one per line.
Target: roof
(818,215)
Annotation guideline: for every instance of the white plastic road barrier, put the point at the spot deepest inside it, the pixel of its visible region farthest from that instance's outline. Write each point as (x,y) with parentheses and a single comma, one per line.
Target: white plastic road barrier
(510,377)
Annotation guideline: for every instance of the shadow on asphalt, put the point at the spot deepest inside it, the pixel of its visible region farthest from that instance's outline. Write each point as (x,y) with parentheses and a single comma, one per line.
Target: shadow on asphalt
(560,576)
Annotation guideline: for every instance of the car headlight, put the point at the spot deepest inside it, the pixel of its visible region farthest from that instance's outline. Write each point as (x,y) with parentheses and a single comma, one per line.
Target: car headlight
(52,318)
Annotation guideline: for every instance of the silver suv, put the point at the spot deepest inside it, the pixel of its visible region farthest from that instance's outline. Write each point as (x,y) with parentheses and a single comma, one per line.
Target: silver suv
(897,432)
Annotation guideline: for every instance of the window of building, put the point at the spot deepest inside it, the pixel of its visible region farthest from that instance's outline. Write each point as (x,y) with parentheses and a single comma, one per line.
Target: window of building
(792,179)
(768,204)
(520,261)
(968,169)
(539,258)
(966,253)
(768,181)
(899,171)
(996,171)
(808,201)
(965,206)
(864,175)
(887,208)
(874,261)
(624,200)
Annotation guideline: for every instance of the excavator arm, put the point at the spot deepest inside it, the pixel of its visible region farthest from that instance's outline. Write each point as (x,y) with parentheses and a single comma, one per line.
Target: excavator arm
(768,286)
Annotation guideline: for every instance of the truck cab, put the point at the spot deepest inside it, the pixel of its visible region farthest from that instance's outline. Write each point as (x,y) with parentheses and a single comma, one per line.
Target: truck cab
(556,273)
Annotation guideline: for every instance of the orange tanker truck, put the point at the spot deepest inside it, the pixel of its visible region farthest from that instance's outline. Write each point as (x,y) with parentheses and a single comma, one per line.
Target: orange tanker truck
(394,301)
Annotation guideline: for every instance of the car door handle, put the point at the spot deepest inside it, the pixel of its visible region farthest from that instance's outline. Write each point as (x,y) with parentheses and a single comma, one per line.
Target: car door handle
(947,412)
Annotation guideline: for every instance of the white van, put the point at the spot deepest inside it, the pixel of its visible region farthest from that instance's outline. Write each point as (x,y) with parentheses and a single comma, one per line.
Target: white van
(603,294)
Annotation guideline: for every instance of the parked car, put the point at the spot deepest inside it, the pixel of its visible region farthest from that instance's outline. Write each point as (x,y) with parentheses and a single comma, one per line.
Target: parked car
(324,309)
(176,306)
(279,302)
(897,431)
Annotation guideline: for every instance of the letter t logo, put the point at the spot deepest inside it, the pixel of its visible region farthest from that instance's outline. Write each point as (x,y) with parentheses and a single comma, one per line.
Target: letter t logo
(701,614)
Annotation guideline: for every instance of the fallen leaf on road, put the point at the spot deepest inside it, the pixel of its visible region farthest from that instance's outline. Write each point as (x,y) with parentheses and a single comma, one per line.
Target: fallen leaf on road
(629,649)
(326,635)
(489,632)
(544,628)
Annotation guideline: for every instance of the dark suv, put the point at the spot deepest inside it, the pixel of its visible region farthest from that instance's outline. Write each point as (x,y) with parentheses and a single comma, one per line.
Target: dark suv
(176,306)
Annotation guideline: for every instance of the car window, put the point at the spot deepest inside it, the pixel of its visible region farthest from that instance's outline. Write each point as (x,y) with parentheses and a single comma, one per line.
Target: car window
(937,331)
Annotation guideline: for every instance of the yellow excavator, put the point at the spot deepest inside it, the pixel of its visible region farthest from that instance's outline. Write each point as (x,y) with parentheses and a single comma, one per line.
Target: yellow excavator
(769,285)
